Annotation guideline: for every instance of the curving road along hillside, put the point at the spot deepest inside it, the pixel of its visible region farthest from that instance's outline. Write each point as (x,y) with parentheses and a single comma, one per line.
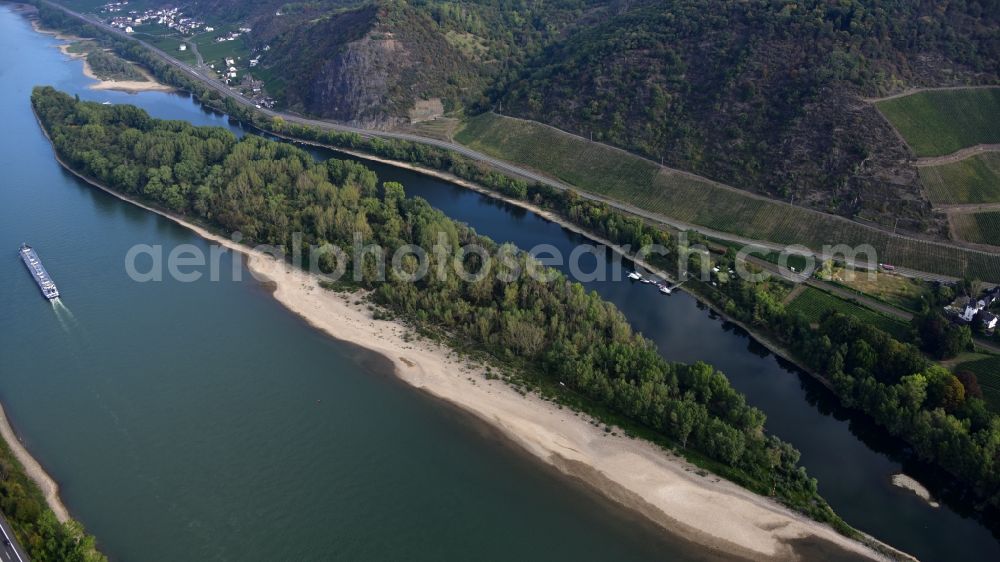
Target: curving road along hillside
(208,78)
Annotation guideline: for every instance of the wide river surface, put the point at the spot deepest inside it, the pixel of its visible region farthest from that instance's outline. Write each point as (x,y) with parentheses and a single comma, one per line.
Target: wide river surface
(193,421)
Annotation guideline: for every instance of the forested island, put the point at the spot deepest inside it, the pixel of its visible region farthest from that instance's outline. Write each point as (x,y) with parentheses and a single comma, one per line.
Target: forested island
(948,424)
(107,66)
(887,374)
(547,333)
(941,406)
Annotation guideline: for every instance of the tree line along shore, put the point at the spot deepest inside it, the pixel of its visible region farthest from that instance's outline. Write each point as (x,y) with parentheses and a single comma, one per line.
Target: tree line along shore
(893,382)
(552,332)
(958,433)
(221,181)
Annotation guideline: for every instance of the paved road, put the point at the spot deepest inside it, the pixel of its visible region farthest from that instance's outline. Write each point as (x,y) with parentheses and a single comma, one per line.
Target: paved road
(10,551)
(209,79)
(193,45)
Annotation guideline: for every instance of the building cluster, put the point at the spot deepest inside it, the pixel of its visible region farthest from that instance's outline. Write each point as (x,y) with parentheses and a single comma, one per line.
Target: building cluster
(980,308)
(232,35)
(113,7)
(253,89)
(172,18)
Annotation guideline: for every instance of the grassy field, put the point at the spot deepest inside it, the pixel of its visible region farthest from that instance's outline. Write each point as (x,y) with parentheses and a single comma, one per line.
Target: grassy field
(589,166)
(940,122)
(973,180)
(170,45)
(440,128)
(981,228)
(894,290)
(987,371)
(814,303)
(604,171)
(215,53)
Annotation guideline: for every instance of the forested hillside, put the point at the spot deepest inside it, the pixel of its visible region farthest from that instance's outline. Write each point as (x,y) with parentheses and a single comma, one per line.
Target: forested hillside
(371,63)
(764,95)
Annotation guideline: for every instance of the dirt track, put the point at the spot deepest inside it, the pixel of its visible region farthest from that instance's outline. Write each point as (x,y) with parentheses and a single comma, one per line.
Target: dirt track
(911,91)
(957,156)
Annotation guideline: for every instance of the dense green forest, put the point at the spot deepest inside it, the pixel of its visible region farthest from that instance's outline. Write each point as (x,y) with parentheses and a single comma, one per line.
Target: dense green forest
(106,65)
(109,67)
(554,331)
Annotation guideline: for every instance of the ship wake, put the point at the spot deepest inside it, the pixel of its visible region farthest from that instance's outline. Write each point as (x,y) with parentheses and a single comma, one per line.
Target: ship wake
(64,315)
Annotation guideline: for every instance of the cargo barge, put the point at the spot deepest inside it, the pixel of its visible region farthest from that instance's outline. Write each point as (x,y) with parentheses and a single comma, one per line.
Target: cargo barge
(45,283)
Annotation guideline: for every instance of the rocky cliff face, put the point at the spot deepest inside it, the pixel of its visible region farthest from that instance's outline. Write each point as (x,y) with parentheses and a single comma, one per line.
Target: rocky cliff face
(368,67)
(357,84)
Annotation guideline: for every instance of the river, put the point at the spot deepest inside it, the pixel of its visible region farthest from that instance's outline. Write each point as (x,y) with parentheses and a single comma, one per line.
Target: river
(202,420)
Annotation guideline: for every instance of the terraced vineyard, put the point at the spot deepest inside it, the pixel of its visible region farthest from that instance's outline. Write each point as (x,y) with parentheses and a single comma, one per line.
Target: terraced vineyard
(935,123)
(981,228)
(987,371)
(608,172)
(590,166)
(814,304)
(973,180)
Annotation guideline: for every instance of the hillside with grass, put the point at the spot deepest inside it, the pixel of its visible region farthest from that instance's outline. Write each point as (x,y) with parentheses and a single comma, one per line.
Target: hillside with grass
(936,123)
(979,228)
(615,174)
(814,304)
(973,180)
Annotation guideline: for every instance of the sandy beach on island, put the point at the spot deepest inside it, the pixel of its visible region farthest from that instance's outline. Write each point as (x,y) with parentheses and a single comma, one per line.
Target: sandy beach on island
(131,86)
(666,489)
(706,510)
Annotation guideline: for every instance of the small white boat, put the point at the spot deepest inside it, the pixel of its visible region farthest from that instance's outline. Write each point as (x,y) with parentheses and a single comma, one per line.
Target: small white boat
(646,281)
(634,276)
(664,289)
(105,103)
